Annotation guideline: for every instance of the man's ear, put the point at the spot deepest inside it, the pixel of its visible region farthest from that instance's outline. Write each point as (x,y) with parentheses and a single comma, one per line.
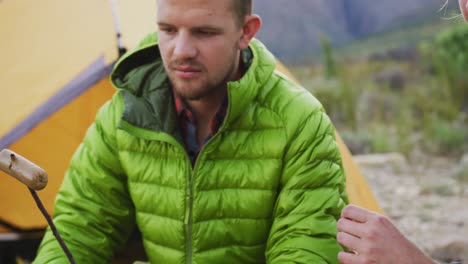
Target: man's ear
(250,28)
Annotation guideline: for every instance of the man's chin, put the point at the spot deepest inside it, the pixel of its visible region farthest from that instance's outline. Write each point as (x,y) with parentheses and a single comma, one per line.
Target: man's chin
(189,94)
(191,97)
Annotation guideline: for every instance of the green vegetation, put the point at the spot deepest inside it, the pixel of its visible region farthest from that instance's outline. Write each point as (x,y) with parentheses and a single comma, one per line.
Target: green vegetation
(328,60)
(398,98)
(403,36)
(451,62)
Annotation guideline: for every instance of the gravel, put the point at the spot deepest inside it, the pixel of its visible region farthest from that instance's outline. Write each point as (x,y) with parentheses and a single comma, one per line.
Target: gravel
(422,198)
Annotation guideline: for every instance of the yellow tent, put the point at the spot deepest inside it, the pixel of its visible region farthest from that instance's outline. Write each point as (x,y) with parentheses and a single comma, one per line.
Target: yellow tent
(55,56)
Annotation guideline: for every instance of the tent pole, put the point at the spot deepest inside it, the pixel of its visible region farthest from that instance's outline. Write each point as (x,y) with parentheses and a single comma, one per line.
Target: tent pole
(115,14)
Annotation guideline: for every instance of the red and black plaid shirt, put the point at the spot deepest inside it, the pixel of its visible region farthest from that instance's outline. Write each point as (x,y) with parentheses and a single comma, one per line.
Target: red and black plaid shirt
(188,126)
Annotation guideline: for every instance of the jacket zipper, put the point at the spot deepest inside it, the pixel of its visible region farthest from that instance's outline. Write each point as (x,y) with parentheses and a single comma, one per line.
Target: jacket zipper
(150,135)
(191,176)
(188,219)
(189,199)
(189,205)
(189,210)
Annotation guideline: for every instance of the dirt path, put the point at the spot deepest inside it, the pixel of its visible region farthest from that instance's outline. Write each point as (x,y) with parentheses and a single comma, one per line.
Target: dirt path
(423,199)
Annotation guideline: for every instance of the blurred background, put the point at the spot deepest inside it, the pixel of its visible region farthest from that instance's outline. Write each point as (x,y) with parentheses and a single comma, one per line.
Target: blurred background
(393,76)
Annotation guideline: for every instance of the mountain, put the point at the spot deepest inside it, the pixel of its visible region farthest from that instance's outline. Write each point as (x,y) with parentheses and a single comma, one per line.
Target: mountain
(292,29)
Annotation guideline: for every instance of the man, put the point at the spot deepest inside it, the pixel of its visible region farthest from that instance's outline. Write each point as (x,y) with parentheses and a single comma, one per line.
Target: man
(372,237)
(215,156)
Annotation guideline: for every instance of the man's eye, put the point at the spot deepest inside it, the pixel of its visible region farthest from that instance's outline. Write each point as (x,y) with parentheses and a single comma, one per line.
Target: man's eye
(168,30)
(206,33)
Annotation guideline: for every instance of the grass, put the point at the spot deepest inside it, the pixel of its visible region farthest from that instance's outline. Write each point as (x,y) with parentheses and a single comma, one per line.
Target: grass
(372,115)
(407,36)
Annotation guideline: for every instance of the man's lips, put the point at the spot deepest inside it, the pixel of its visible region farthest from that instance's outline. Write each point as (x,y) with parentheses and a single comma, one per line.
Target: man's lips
(186,72)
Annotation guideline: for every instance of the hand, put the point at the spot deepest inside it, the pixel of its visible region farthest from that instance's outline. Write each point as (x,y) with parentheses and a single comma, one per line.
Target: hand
(374,239)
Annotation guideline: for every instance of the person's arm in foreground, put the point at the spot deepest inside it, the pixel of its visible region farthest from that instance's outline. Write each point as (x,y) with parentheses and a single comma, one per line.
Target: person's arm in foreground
(93,212)
(311,197)
(375,240)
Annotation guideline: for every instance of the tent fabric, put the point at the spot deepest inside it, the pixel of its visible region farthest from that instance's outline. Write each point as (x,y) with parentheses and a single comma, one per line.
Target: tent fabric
(55,55)
(51,145)
(95,72)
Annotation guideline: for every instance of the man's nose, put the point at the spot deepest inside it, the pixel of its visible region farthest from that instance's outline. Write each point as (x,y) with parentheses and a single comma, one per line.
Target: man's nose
(184,47)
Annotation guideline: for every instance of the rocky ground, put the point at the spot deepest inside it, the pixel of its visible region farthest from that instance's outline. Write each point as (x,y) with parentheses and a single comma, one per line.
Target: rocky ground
(425,198)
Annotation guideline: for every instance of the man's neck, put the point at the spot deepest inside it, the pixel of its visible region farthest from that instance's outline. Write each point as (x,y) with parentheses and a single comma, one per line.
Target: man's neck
(205,108)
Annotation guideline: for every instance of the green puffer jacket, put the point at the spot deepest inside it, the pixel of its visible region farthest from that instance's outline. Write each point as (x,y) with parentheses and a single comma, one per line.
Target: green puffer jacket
(267,188)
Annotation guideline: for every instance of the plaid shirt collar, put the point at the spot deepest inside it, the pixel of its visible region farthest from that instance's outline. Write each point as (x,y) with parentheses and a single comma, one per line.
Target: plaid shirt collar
(185,115)
(188,127)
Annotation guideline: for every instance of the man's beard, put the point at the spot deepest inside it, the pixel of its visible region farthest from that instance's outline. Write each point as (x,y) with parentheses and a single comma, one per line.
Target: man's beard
(199,88)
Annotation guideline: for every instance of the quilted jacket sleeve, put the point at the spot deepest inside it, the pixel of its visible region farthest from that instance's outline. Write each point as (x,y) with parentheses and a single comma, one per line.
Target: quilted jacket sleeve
(312,195)
(93,210)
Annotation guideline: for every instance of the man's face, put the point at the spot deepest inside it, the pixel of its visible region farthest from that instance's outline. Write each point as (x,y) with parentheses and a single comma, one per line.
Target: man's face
(464,8)
(199,45)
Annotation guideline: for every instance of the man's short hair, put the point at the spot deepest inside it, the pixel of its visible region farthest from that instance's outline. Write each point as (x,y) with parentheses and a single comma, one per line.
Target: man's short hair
(241,8)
